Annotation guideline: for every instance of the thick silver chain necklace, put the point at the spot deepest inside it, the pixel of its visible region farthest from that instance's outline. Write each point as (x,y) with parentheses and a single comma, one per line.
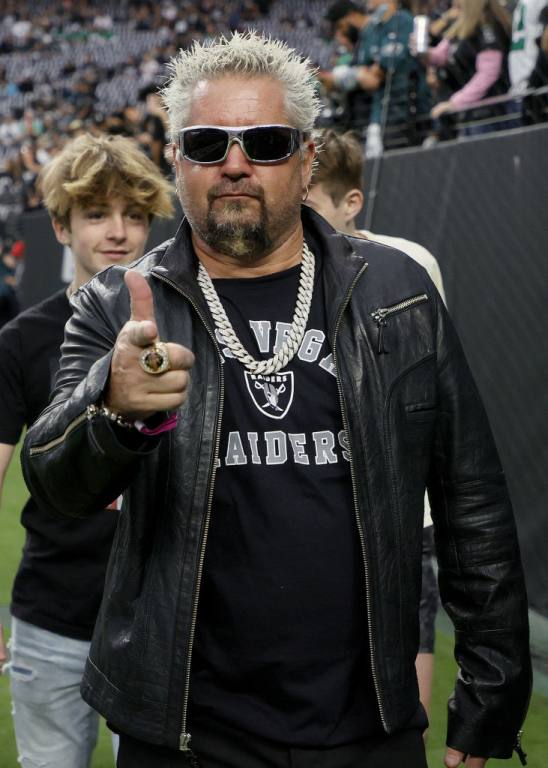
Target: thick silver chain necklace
(294,335)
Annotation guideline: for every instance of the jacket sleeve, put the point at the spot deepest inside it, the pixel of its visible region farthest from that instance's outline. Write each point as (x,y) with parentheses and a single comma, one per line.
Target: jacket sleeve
(480,574)
(75,462)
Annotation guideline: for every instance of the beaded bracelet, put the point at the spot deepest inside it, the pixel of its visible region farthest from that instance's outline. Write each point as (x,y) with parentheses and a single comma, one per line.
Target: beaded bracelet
(103,410)
(169,423)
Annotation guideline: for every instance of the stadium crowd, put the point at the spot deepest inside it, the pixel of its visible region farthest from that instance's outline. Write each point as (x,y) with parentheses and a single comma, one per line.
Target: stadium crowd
(96,66)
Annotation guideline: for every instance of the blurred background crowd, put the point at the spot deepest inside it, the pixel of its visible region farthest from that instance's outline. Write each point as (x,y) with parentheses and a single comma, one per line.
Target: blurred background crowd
(95,65)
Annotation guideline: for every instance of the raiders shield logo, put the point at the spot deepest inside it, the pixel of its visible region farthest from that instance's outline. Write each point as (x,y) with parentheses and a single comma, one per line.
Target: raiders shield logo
(271,393)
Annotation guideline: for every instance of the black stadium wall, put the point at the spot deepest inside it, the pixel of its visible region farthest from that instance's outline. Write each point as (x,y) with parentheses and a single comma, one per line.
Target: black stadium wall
(480,206)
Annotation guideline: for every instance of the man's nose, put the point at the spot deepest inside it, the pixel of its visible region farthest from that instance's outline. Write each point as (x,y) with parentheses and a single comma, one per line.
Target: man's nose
(236,163)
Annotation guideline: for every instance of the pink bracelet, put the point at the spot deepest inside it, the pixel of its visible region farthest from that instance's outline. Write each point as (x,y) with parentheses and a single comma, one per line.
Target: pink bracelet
(166,426)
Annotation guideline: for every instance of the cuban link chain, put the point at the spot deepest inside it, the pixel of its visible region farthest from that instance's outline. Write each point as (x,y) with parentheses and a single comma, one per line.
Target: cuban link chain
(295,333)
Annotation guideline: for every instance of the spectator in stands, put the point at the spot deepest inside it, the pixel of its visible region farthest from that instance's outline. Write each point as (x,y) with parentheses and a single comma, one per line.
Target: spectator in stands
(101,194)
(12,129)
(384,67)
(539,76)
(336,194)
(443,21)
(536,105)
(152,136)
(526,30)
(348,20)
(31,169)
(471,59)
(7,87)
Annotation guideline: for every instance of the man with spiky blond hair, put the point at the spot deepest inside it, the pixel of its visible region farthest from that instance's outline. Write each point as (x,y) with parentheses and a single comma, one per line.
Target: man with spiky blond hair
(274,397)
(101,194)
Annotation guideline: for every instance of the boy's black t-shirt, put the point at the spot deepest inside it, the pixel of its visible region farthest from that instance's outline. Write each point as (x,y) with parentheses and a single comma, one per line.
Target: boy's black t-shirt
(59,583)
(281,641)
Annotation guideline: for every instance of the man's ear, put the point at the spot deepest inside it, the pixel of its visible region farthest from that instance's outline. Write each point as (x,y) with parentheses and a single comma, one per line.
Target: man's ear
(62,232)
(352,204)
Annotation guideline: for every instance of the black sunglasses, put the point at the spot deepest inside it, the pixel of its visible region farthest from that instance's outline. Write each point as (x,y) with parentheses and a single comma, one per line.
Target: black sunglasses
(209,144)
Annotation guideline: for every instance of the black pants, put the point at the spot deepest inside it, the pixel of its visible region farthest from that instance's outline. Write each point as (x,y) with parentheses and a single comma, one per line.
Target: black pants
(227,748)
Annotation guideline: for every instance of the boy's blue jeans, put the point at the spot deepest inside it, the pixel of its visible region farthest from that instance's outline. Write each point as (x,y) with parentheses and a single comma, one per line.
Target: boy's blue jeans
(54,727)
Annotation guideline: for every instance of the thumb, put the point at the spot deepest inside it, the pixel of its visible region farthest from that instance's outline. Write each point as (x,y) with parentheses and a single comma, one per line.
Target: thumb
(453,758)
(142,303)
(145,330)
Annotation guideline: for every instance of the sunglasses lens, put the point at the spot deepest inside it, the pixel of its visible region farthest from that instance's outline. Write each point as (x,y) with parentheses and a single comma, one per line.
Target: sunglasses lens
(267,143)
(205,145)
(264,144)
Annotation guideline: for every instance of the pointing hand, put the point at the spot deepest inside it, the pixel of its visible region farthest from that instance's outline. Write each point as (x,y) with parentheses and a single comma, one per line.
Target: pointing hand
(131,392)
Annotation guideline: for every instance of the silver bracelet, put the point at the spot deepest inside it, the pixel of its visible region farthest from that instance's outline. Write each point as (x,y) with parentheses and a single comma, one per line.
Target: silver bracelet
(102,410)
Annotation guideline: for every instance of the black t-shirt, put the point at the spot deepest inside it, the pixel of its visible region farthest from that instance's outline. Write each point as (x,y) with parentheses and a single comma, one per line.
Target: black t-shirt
(281,643)
(461,65)
(60,579)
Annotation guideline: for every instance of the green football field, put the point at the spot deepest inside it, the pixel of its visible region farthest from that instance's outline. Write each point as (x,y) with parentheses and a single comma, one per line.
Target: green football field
(535,738)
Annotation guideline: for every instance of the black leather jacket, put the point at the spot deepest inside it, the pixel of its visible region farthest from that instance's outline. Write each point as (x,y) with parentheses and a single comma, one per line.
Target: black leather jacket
(413,418)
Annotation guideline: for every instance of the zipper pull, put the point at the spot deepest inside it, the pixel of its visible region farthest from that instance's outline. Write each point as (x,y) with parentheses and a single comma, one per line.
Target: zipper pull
(380,318)
(518,749)
(190,758)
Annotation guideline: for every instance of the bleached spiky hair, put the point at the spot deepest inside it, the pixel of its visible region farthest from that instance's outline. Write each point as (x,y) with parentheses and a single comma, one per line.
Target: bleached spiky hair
(248,55)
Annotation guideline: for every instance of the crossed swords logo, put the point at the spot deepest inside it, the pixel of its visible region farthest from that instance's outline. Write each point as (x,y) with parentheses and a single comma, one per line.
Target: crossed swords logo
(271,394)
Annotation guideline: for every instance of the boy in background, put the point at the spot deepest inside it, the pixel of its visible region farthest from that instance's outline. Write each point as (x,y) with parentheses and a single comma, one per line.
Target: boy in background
(102,194)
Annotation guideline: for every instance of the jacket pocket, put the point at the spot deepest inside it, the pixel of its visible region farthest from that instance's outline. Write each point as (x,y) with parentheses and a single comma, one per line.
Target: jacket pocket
(420,412)
(381,316)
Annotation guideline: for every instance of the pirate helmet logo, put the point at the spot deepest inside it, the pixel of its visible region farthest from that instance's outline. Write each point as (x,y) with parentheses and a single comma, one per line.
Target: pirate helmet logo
(272,394)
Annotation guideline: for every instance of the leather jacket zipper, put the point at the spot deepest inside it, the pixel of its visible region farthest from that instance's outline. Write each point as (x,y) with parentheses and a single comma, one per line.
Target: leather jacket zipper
(518,749)
(380,317)
(38,449)
(355,497)
(185,737)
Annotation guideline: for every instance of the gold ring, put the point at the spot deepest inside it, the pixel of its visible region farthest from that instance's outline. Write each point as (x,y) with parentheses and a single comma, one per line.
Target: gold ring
(155,359)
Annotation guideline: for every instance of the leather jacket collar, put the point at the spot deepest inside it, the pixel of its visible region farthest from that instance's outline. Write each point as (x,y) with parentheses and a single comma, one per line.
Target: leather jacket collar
(341,263)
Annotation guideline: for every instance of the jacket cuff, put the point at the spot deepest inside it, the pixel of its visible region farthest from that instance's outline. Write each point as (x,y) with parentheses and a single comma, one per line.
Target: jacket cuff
(488,706)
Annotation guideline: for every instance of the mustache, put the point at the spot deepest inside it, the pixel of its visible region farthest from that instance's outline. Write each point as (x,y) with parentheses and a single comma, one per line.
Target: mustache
(234,188)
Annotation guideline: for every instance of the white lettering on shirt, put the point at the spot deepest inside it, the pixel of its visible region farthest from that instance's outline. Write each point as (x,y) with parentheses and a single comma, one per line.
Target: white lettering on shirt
(298,442)
(282,332)
(276,447)
(235,453)
(325,442)
(311,345)
(261,329)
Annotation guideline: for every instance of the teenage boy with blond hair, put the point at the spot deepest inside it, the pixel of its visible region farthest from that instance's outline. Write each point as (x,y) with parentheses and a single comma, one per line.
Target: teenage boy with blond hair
(102,194)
